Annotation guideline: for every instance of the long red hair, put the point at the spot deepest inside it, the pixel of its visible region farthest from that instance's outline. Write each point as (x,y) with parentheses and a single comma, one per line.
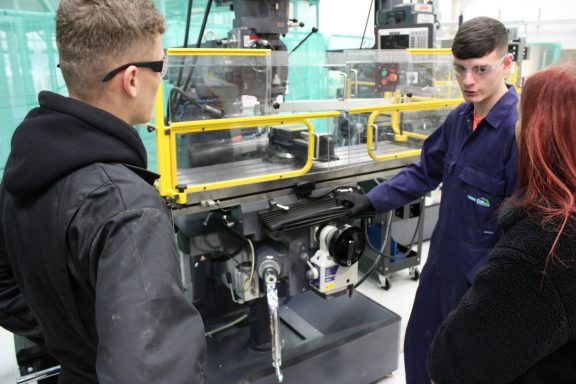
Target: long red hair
(547,147)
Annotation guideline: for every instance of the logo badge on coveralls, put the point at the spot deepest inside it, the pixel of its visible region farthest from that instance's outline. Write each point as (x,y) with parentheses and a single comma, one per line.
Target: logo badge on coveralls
(481,201)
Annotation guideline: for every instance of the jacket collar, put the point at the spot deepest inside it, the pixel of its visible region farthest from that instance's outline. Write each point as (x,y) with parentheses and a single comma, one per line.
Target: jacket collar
(63,135)
(148,176)
(504,108)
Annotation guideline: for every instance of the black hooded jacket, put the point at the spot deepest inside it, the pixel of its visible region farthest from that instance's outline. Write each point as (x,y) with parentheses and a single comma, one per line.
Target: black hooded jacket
(517,324)
(88,263)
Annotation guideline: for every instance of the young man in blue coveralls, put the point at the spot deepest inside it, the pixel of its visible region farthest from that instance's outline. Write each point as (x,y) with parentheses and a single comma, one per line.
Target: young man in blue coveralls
(474,155)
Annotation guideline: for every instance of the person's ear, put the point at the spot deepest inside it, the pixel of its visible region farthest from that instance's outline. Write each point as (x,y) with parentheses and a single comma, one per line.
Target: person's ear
(508,62)
(130,82)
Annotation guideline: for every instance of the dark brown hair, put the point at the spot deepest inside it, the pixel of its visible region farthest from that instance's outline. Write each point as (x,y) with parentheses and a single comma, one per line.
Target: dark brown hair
(478,37)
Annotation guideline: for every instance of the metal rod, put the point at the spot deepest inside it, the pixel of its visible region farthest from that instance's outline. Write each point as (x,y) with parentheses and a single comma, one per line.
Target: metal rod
(46,373)
(271,278)
(314,30)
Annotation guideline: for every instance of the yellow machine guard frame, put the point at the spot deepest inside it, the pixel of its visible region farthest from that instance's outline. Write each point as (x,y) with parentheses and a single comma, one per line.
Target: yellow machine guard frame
(166,135)
(394,110)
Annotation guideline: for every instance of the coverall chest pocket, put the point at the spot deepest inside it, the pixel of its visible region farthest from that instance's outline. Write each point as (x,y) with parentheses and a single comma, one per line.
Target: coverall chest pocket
(482,193)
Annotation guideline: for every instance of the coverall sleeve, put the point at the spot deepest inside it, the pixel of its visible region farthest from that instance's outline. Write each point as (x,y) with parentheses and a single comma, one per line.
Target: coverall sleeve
(503,325)
(416,179)
(15,315)
(511,170)
(148,332)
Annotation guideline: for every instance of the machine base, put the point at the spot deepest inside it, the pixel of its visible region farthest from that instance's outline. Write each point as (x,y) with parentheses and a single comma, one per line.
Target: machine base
(339,340)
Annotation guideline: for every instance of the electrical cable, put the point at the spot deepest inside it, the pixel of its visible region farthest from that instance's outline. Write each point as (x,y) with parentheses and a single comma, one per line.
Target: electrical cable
(386,235)
(379,254)
(186,33)
(225,326)
(422,201)
(248,282)
(188,19)
(188,81)
(204,21)
(175,99)
(215,112)
(366,25)
(198,42)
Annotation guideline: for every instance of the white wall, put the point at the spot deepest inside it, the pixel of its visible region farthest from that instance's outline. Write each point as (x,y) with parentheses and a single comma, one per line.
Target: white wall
(345,17)
(537,20)
(513,10)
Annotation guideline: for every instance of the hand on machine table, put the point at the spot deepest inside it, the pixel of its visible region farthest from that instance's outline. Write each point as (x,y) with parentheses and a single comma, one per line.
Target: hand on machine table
(356,201)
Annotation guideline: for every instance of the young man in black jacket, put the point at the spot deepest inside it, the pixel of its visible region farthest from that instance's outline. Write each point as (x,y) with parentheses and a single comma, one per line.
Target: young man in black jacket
(88,264)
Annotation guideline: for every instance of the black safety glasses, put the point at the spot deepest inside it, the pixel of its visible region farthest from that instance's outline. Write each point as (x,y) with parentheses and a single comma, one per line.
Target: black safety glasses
(159,66)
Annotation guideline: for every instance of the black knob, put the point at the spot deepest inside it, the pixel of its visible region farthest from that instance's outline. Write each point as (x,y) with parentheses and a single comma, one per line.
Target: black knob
(347,245)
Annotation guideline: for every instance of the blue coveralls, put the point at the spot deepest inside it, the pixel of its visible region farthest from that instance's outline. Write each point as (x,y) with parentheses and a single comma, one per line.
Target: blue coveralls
(477,170)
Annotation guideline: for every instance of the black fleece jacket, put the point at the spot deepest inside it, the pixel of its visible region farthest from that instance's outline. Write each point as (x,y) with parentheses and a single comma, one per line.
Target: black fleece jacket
(517,324)
(88,263)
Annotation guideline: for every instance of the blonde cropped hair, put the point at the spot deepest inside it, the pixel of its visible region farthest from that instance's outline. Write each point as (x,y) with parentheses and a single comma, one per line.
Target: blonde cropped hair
(91,34)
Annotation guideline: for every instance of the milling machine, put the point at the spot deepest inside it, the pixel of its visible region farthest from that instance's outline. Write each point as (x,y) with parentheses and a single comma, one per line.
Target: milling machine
(269,257)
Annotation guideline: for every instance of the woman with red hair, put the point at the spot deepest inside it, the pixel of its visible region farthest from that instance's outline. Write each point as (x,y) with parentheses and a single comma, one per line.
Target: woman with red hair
(517,324)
